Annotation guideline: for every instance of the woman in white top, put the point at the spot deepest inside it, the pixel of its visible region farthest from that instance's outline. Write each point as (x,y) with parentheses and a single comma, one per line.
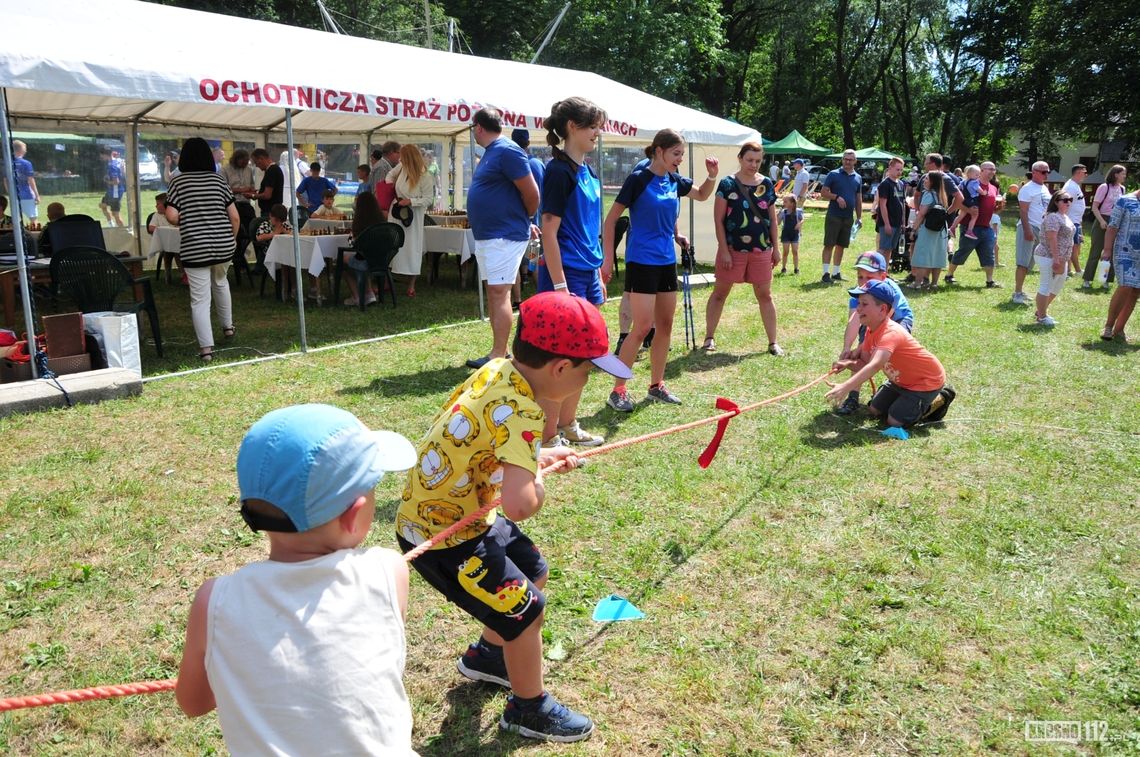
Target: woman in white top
(1104,198)
(415,189)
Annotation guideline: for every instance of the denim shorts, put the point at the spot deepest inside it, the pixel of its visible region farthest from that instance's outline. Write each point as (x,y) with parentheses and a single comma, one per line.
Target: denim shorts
(585,284)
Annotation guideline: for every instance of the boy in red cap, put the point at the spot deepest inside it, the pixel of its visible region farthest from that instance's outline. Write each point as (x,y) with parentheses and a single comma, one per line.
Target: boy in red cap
(486,443)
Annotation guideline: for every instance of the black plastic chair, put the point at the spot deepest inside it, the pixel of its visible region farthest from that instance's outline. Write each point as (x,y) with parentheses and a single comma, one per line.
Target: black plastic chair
(75,230)
(94,280)
(247,229)
(377,244)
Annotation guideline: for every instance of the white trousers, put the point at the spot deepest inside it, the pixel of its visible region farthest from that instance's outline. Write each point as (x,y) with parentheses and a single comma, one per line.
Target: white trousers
(204,283)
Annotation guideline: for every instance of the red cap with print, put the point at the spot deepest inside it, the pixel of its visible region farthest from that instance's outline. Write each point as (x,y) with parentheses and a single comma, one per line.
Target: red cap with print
(563,324)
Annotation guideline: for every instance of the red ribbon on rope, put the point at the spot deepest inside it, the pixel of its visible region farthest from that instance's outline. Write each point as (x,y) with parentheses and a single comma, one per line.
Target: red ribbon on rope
(733,409)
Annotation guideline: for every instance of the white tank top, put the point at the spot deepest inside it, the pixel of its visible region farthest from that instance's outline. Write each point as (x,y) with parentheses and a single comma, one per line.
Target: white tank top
(308,658)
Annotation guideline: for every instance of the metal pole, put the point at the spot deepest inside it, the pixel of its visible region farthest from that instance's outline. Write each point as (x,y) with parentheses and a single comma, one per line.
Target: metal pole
(296,234)
(18,230)
(692,205)
(451,184)
(478,272)
(427,23)
(133,180)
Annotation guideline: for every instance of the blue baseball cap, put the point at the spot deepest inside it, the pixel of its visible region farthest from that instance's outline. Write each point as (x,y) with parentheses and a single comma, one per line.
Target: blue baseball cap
(312,462)
(872,261)
(880,290)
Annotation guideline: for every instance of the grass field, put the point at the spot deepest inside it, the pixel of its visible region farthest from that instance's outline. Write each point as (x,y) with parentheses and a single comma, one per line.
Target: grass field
(819,589)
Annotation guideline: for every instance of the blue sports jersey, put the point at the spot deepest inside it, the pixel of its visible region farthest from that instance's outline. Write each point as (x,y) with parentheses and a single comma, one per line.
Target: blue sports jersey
(22,167)
(849,186)
(494,205)
(116,170)
(654,203)
(902,313)
(574,194)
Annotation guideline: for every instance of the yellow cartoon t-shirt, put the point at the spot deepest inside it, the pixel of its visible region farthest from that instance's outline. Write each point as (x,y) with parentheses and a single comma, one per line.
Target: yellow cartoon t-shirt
(490,420)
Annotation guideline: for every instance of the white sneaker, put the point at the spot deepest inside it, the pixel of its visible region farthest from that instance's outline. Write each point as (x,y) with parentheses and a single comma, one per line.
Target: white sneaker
(575,435)
(1019,298)
(1046,320)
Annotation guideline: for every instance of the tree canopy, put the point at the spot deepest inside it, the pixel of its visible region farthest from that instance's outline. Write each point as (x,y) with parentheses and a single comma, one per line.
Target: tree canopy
(952,76)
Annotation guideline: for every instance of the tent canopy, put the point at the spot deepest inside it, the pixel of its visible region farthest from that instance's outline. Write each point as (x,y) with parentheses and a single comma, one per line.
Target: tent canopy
(61,73)
(868,153)
(795,144)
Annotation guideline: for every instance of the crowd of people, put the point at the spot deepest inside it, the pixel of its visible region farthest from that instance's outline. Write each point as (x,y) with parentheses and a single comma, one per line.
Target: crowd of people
(307,474)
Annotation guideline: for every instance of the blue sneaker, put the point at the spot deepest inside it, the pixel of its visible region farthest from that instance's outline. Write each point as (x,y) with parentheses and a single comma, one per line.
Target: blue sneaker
(550,721)
(482,667)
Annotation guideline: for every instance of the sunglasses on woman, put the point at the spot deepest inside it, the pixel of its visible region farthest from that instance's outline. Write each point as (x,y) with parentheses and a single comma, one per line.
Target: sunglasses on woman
(1064,199)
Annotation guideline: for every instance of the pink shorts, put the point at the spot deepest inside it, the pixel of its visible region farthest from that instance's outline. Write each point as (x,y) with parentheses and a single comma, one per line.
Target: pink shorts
(748,267)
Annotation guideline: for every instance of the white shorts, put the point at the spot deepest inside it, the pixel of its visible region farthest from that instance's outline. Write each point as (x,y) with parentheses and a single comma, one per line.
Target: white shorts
(1050,283)
(499,260)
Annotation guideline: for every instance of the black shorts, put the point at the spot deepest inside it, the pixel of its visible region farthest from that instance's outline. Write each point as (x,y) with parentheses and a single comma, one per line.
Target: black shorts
(903,405)
(650,279)
(113,203)
(490,578)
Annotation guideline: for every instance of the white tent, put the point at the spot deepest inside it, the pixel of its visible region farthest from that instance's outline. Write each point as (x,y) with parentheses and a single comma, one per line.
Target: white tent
(84,66)
(72,63)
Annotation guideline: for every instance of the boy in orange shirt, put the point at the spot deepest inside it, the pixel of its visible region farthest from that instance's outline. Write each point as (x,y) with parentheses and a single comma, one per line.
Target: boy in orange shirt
(916,378)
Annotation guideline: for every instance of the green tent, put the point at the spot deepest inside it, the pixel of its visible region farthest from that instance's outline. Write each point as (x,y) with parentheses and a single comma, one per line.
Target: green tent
(795,144)
(867,153)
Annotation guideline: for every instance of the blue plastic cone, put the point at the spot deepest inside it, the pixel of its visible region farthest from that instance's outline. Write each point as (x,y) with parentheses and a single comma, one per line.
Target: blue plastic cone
(614,608)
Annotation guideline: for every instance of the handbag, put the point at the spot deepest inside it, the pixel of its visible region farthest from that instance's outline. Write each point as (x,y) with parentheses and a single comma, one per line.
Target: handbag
(118,337)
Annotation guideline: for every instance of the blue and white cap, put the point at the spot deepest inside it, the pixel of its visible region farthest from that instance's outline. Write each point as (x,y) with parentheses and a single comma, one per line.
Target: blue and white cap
(312,462)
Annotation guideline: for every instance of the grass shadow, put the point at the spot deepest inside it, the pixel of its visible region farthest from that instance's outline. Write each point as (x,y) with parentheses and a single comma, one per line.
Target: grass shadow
(1009,306)
(679,557)
(459,732)
(698,361)
(417,384)
(809,286)
(1034,328)
(829,431)
(1114,347)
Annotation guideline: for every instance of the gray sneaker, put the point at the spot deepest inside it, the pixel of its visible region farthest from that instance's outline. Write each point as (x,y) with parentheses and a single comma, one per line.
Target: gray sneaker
(620,401)
(575,434)
(661,394)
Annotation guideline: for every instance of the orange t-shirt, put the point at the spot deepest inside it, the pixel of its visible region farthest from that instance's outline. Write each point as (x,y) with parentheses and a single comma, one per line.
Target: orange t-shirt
(910,366)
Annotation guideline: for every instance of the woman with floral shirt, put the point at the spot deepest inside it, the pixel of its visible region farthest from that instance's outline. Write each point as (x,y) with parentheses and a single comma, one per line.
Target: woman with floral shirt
(1053,252)
(1122,242)
(744,216)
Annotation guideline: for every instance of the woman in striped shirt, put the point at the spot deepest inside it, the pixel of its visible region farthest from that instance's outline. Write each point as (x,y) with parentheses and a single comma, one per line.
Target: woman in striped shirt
(200,202)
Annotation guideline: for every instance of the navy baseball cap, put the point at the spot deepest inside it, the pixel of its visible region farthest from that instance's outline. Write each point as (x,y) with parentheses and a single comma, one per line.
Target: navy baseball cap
(880,290)
(312,462)
(520,137)
(872,261)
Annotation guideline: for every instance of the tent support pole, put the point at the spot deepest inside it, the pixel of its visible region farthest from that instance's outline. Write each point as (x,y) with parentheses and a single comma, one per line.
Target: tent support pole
(478,271)
(133,177)
(296,238)
(451,193)
(17,230)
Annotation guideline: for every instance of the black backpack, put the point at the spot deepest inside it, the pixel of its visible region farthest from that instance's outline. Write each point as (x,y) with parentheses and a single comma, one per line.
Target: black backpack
(935,218)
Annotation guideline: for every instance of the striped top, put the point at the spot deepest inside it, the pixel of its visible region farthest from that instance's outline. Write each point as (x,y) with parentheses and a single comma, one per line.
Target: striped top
(201,198)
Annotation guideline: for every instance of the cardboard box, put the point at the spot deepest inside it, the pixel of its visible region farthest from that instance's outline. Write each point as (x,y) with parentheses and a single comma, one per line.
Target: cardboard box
(65,335)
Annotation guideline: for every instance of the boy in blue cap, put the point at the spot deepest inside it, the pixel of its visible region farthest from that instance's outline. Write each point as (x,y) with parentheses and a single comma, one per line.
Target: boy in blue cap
(871,266)
(916,378)
(304,653)
(486,442)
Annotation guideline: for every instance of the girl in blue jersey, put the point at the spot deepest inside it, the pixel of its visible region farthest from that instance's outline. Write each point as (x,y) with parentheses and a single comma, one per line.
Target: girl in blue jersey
(653,196)
(571,226)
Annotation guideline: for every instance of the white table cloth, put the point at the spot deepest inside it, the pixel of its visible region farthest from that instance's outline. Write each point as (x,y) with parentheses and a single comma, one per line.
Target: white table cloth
(280,252)
(452,241)
(165,239)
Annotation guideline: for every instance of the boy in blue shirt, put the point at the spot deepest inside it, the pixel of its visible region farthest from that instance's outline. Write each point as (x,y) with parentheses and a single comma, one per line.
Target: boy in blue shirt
(871,266)
(312,188)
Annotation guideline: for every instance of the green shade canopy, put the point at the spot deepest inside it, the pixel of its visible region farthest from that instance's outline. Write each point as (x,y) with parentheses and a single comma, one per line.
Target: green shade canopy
(795,144)
(868,153)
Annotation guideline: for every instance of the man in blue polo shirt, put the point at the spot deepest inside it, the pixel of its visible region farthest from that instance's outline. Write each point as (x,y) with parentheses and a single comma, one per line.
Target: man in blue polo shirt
(501,203)
(843,189)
